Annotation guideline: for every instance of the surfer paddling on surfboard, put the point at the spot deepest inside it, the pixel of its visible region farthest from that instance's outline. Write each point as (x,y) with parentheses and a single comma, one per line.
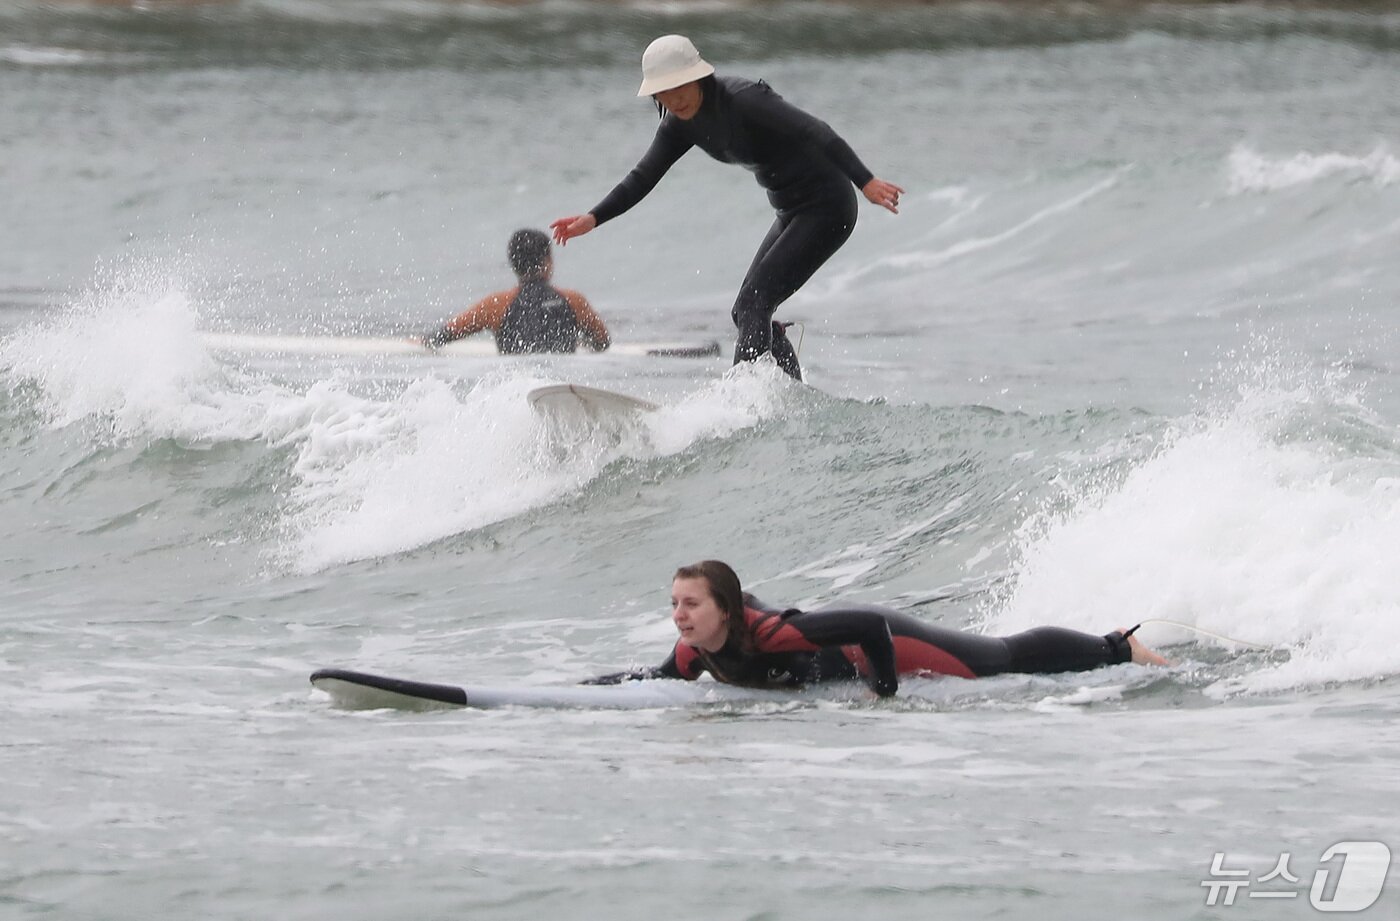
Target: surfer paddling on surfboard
(805,166)
(534,316)
(739,640)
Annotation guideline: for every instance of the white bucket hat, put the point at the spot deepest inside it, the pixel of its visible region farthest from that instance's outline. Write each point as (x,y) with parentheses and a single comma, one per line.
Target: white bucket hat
(669,62)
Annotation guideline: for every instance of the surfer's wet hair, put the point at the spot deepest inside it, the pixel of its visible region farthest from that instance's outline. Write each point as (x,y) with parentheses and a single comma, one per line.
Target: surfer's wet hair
(725,589)
(528,251)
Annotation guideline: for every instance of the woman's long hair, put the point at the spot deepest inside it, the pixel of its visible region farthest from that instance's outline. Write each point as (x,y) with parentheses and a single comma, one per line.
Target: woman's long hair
(724,587)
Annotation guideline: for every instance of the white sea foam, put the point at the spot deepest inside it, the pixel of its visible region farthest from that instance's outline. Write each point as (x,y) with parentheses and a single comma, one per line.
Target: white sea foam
(380,478)
(372,475)
(1250,171)
(128,356)
(1243,524)
(743,397)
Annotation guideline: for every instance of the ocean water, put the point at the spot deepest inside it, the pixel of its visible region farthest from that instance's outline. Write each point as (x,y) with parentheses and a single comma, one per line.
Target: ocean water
(1127,353)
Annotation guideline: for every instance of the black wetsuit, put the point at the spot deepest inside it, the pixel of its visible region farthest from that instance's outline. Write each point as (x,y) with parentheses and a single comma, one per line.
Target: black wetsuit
(794,648)
(539,319)
(808,171)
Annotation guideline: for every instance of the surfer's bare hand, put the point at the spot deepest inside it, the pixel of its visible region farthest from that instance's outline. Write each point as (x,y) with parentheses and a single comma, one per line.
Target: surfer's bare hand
(566,228)
(882,193)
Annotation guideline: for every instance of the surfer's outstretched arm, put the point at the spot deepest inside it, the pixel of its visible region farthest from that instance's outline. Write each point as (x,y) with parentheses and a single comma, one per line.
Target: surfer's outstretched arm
(666,148)
(667,669)
(575,225)
(486,313)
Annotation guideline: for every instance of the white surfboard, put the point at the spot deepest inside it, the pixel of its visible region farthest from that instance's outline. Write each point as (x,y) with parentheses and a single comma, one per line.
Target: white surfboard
(481,347)
(360,691)
(587,401)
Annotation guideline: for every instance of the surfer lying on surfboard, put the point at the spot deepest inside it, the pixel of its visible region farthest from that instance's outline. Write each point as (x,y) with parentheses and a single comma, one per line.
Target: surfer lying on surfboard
(534,316)
(805,166)
(739,640)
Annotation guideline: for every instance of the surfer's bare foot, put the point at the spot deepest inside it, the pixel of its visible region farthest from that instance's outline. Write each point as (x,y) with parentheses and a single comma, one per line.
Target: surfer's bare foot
(1141,654)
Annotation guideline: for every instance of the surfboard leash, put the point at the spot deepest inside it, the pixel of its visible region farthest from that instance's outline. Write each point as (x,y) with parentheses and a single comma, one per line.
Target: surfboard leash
(1201,630)
(801,332)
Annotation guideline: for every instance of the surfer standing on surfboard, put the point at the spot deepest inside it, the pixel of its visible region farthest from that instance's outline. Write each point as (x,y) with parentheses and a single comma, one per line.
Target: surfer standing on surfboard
(739,640)
(534,316)
(805,166)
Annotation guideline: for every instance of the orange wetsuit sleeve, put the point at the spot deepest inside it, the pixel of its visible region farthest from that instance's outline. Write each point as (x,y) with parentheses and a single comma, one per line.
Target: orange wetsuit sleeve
(486,313)
(588,321)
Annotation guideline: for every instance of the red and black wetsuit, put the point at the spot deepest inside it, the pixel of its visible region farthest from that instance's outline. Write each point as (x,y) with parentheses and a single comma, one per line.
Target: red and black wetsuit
(794,648)
(808,171)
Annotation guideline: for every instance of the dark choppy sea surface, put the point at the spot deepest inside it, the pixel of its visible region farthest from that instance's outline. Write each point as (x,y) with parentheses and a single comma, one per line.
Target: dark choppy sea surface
(1127,353)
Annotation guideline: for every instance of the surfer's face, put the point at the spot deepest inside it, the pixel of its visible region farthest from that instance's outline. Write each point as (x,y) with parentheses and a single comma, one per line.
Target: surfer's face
(683,101)
(697,615)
